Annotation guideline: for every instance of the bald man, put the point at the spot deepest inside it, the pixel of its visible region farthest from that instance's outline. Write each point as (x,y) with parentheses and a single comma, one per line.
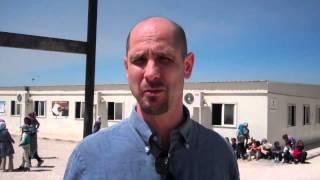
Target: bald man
(158,140)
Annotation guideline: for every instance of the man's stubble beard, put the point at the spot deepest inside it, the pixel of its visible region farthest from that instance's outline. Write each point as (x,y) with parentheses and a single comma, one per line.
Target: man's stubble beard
(147,107)
(146,102)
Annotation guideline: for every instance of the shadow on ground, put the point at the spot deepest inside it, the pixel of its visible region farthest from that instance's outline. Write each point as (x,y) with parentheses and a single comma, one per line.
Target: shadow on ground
(312,145)
(49,157)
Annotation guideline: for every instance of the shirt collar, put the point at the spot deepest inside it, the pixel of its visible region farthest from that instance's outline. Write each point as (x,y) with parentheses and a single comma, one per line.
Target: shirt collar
(186,127)
(140,126)
(145,132)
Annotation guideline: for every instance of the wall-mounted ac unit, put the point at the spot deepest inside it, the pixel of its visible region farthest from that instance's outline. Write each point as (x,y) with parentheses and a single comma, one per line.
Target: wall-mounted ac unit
(23,98)
(192,99)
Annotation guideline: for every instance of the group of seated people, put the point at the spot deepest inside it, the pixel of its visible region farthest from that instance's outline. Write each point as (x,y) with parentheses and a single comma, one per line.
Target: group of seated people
(291,151)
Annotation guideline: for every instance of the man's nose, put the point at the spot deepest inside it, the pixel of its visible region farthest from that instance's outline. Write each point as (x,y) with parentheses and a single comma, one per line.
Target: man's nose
(152,70)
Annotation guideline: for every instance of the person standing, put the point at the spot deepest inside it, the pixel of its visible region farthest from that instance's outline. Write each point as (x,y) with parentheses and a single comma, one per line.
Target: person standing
(6,148)
(242,137)
(159,140)
(25,144)
(34,125)
(97,124)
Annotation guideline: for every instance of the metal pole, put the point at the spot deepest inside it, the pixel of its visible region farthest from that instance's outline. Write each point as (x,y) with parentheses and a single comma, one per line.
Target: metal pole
(90,66)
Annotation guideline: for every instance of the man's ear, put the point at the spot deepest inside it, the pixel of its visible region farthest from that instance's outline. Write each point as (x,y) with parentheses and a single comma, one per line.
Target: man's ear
(125,62)
(188,65)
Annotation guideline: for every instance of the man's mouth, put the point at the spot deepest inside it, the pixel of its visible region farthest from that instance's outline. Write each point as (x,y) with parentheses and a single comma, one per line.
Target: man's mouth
(153,91)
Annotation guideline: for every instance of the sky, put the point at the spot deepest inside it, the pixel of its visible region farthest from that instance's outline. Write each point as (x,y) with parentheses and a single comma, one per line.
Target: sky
(277,40)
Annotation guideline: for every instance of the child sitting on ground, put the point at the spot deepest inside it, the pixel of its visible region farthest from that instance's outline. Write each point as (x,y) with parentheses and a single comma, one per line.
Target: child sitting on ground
(287,153)
(266,149)
(254,150)
(298,153)
(25,144)
(277,152)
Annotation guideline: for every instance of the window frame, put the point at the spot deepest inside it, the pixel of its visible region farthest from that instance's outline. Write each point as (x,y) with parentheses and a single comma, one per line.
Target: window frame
(3,107)
(82,110)
(17,108)
(39,107)
(115,109)
(292,123)
(318,114)
(306,115)
(223,124)
(65,108)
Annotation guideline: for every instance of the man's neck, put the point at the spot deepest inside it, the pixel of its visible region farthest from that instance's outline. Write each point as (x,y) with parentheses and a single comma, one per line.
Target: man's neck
(163,124)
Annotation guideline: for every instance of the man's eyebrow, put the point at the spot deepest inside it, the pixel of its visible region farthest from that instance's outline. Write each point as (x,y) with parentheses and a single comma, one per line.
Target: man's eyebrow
(136,56)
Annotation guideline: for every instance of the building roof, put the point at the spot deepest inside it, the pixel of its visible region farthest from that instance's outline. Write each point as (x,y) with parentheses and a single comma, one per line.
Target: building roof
(273,87)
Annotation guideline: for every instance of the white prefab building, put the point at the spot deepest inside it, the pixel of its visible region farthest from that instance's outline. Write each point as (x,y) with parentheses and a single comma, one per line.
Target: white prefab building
(270,108)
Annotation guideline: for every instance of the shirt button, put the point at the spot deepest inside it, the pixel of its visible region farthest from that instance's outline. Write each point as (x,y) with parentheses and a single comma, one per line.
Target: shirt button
(147,149)
(155,138)
(187,145)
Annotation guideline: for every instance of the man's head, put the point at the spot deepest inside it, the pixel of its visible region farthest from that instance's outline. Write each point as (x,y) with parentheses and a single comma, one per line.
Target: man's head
(245,124)
(285,137)
(32,114)
(180,35)
(2,124)
(157,63)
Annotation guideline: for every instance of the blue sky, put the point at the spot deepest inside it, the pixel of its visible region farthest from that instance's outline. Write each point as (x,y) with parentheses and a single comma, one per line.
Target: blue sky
(232,40)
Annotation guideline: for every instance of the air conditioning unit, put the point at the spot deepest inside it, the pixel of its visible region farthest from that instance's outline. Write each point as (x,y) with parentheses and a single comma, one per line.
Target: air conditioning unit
(192,99)
(23,98)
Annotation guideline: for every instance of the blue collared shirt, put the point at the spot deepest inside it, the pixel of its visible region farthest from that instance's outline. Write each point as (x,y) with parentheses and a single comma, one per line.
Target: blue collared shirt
(128,150)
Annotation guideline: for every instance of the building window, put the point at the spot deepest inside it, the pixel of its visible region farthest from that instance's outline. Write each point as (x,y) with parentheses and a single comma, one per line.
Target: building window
(291,115)
(306,114)
(15,108)
(60,108)
(114,111)
(40,108)
(2,106)
(79,111)
(318,114)
(223,114)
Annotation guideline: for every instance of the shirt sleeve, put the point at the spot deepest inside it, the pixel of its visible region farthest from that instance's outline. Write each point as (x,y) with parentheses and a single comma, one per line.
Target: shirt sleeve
(37,124)
(75,168)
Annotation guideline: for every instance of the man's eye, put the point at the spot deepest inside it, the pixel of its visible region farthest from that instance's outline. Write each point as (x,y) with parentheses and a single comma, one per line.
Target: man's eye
(138,61)
(165,60)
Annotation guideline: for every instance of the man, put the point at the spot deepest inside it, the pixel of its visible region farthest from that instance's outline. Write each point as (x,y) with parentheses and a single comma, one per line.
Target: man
(97,125)
(158,140)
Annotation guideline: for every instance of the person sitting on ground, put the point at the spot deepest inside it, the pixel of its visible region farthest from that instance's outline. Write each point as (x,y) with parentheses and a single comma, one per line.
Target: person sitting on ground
(287,153)
(299,153)
(266,149)
(6,148)
(25,144)
(277,152)
(249,143)
(254,150)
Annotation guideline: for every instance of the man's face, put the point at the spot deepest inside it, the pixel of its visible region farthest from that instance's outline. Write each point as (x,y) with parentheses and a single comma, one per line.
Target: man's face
(156,67)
